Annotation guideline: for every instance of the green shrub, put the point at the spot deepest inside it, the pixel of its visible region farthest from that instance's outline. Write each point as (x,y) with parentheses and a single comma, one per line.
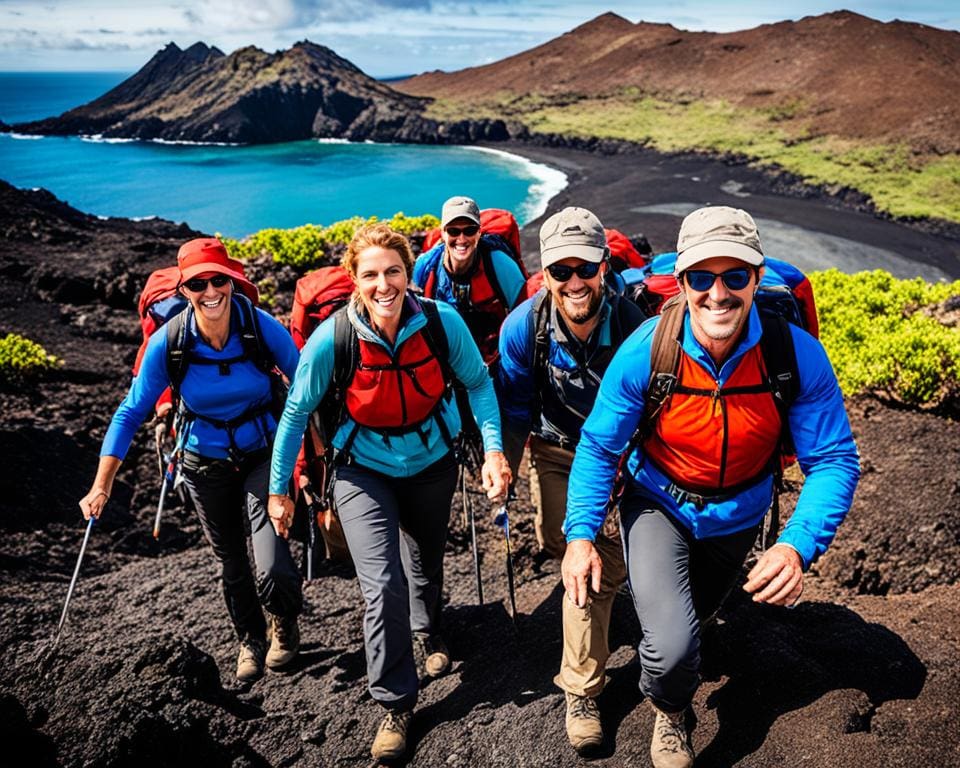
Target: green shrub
(313,245)
(20,357)
(881,338)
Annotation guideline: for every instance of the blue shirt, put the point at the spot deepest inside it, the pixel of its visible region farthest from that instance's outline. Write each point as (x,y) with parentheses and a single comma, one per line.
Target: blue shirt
(508,276)
(407,454)
(818,422)
(205,391)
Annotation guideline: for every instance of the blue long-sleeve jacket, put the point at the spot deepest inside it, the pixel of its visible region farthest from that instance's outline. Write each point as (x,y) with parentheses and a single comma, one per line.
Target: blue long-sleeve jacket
(206,392)
(818,422)
(406,454)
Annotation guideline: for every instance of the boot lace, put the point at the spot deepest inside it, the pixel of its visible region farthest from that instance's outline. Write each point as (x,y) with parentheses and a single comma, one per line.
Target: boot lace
(583,708)
(672,733)
(396,722)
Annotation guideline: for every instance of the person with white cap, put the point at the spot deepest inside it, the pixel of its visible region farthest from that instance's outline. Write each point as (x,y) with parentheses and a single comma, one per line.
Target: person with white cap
(554,349)
(482,282)
(698,473)
(218,356)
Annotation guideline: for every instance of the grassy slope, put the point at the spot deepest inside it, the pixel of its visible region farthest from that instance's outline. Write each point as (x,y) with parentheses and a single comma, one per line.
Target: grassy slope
(900,181)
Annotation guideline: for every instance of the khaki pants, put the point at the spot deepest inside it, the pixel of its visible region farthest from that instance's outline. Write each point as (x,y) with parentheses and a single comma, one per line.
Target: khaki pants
(585,630)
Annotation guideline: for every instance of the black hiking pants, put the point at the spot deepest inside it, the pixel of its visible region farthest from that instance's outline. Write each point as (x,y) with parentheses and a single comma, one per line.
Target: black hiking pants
(676,582)
(396,529)
(230,500)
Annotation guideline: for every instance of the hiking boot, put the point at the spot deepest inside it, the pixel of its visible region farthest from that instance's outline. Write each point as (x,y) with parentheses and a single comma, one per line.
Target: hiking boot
(583,723)
(433,651)
(391,739)
(250,660)
(284,634)
(670,747)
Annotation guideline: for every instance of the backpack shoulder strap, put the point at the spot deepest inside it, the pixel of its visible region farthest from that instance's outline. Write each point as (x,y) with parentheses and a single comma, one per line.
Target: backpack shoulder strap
(178,358)
(251,336)
(485,249)
(346,352)
(664,360)
(539,324)
(434,260)
(436,337)
(783,373)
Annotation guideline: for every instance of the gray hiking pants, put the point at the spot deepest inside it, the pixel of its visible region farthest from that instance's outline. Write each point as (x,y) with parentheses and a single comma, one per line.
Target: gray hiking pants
(396,530)
(229,498)
(676,582)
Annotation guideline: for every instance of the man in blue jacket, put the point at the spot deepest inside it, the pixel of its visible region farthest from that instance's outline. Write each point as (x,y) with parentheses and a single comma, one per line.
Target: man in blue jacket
(480,281)
(699,478)
(554,349)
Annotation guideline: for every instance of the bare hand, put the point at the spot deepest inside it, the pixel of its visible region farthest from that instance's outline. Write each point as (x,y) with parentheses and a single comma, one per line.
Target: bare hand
(280,510)
(579,562)
(495,475)
(93,503)
(777,578)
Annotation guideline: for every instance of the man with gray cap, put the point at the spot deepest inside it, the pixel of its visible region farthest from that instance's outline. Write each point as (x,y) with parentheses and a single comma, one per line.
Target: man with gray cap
(697,474)
(470,272)
(554,349)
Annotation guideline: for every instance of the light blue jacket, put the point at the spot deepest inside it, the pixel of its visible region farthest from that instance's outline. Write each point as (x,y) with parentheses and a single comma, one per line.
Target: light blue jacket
(818,422)
(406,454)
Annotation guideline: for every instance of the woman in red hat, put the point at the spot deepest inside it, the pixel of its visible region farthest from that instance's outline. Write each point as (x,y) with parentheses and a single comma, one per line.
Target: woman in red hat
(219,357)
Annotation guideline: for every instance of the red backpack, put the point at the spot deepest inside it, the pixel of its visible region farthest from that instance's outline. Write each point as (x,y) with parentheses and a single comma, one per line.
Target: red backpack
(159,301)
(318,295)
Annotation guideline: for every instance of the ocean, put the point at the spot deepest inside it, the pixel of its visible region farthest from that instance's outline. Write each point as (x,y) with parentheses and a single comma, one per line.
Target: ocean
(236,190)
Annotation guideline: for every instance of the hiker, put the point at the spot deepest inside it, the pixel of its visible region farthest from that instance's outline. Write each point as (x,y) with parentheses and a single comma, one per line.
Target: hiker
(472,272)
(394,467)
(554,349)
(227,426)
(699,476)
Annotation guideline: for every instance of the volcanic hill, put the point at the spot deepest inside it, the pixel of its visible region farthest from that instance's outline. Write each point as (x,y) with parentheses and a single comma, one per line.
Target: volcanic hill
(839,73)
(250,96)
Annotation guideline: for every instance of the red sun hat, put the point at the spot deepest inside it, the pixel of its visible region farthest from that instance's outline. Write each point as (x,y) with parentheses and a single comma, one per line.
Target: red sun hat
(207,254)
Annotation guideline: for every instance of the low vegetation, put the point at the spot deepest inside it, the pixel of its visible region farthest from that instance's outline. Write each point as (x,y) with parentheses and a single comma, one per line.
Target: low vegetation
(899,181)
(22,358)
(313,245)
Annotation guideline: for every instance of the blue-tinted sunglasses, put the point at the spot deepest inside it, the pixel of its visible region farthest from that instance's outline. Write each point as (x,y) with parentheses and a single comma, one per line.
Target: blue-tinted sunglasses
(586,271)
(702,280)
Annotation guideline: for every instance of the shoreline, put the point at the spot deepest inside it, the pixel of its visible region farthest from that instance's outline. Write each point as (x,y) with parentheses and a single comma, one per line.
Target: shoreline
(641,190)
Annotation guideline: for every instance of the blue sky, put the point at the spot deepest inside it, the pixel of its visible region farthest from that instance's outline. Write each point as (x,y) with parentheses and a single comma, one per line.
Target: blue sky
(384,37)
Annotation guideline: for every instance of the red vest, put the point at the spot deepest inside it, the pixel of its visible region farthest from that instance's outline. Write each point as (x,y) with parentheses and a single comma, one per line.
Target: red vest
(395,392)
(709,440)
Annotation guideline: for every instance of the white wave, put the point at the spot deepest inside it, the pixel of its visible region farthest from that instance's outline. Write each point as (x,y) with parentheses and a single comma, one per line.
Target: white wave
(144,218)
(99,138)
(333,140)
(25,136)
(548,182)
(185,143)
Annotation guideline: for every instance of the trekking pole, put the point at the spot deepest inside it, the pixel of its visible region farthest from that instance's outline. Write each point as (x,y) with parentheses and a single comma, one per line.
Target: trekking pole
(169,480)
(502,519)
(312,502)
(73,581)
(468,513)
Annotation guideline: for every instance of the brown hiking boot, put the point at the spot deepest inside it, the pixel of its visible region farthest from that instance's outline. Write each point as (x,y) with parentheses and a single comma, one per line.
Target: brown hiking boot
(284,634)
(670,746)
(391,739)
(433,651)
(250,660)
(583,723)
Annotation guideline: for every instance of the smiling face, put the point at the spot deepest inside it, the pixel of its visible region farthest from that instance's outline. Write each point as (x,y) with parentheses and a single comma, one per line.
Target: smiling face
(212,303)
(719,314)
(381,280)
(460,246)
(577,299)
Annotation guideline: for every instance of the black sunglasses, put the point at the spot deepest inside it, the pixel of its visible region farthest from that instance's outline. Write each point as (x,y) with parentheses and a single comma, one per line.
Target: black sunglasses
(702,280)
(199,284)
(586,271)
(470,230)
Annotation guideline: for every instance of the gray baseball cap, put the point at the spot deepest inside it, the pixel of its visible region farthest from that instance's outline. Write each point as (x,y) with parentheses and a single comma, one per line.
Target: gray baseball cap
(572,233)
(718,231)
(459,208)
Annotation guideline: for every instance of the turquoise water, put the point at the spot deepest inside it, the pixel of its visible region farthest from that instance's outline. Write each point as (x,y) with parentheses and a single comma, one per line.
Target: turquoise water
(235,190)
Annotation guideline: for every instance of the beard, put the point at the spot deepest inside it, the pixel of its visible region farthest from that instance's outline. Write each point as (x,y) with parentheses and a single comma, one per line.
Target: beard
(581,315)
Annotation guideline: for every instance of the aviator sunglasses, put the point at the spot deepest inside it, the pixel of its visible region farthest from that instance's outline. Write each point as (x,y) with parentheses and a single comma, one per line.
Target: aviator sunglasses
(470,230)
(199,284)
(586,271)
(702,280)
